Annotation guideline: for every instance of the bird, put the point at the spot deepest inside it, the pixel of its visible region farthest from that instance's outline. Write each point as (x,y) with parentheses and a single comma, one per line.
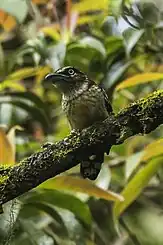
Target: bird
(84,103)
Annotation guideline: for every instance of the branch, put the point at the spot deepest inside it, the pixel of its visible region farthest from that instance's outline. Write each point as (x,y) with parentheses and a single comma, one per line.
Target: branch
(140,117)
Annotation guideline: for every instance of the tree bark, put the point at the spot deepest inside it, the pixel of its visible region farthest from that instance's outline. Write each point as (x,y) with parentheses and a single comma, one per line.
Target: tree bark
(141,117)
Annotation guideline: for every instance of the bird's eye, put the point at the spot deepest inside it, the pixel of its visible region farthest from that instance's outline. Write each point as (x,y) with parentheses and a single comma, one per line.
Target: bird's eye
(71,71)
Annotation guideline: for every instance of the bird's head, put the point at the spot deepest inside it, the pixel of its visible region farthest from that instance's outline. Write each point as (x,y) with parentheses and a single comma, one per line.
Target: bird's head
(68,79)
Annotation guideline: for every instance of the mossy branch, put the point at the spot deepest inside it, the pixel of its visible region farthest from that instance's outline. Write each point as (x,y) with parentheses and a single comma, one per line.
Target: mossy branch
(140,117)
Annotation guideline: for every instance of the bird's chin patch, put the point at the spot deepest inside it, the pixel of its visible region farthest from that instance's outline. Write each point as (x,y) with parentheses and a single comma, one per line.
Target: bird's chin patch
(55,85)
(61,86)
(58,85)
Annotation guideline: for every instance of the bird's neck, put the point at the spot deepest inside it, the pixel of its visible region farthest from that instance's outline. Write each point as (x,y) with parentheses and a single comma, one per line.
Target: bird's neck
(75,91)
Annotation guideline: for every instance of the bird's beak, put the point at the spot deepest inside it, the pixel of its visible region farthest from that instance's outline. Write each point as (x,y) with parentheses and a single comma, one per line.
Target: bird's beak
(54,78)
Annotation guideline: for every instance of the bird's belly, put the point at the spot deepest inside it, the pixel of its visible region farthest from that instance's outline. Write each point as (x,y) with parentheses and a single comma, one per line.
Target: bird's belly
(82,115)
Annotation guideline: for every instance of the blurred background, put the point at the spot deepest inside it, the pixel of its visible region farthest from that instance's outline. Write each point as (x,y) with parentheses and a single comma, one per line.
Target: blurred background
(119,44)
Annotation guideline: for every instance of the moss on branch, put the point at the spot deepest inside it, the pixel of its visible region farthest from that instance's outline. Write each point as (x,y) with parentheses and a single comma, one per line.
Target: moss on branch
(141,117)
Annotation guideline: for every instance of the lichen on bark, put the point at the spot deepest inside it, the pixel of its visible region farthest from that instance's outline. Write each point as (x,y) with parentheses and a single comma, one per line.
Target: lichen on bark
(141,117)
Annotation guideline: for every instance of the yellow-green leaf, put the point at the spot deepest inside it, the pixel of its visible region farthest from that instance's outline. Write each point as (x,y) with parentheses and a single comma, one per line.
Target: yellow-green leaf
(7,146)
(23,73)
(152,150)
(87,19)
(87,5)
(80,185)
(52,32)
(10,84)
(12,80)
(140,79)
(41,74)
(134,188)
(7,156)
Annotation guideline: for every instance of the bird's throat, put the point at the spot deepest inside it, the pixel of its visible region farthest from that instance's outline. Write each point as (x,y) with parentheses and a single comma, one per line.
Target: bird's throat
(74,92)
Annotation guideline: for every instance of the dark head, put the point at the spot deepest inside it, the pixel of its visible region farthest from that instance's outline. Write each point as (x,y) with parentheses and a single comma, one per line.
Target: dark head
(68,79)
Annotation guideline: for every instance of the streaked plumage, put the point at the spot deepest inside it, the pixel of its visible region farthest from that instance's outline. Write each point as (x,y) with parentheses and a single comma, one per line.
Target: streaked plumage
(84,103)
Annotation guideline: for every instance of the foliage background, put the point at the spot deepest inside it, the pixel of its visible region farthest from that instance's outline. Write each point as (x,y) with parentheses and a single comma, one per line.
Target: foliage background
(119,44)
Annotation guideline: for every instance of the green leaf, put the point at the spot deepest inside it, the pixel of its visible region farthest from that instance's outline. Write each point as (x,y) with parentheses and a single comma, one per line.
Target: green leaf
(131,39)
(150,12)
(134,188)
(110,27)
(35,112)
(48,209)
(75,230)
(113,44)
(38,212)
(94,44)
(80,185)
(114,74)
(29,96)
(17,8)
(79,55)
(132,162)
(140,79)
(61,200)
(34,235)
(116,7)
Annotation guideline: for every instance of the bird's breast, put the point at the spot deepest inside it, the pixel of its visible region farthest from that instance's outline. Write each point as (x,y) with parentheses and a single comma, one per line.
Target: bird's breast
(85,110)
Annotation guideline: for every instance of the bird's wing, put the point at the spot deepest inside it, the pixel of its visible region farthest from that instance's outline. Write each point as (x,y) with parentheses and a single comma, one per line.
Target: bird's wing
(107,102)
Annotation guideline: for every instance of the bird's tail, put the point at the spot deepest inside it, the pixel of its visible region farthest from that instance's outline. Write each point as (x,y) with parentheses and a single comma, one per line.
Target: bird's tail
(91,168)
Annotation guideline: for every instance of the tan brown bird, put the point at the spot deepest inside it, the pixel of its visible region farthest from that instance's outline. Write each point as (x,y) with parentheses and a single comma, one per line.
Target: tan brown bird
(84,103)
